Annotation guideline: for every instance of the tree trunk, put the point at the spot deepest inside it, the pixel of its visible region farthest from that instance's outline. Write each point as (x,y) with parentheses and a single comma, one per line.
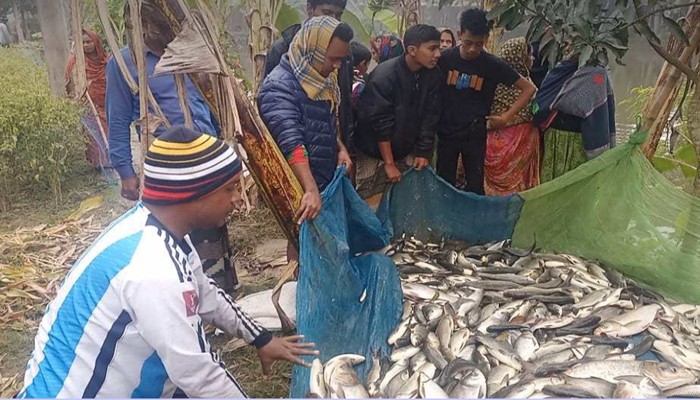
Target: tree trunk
(261,21)
(79,74)
(492,44)
(25,29)
(691,242)
(660,105)
(54,30)
(18,21)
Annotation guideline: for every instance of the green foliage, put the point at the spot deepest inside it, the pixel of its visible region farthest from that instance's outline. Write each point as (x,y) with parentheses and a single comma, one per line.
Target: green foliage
(370,21)
(287,17)
(683,156)
(586,29)
(40,135)
(638,99)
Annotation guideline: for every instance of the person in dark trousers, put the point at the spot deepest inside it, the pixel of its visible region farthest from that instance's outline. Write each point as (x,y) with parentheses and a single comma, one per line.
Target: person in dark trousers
(320,8)
(122,108)
(399,112)
(470,76)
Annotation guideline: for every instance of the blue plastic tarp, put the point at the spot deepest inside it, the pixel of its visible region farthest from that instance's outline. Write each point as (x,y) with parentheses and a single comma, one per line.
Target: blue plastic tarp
(425,206)
(336,267)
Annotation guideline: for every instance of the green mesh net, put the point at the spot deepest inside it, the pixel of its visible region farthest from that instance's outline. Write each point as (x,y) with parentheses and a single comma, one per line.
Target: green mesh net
(619,210)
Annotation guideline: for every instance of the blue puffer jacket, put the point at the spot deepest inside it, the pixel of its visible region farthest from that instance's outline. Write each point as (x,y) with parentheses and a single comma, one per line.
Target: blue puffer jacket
(293,120)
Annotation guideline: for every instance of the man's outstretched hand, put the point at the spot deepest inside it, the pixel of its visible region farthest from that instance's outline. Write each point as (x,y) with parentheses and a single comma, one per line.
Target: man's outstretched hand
(287,349)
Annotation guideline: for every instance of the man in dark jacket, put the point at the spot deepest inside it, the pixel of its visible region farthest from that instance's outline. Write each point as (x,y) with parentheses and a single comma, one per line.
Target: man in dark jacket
(320,8)
(399,112)
(299,102)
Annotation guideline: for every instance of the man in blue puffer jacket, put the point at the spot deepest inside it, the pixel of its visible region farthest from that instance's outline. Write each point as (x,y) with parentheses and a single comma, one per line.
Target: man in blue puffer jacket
(299,100)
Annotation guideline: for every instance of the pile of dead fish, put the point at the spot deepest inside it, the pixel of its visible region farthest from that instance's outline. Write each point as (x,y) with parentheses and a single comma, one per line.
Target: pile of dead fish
(494,321)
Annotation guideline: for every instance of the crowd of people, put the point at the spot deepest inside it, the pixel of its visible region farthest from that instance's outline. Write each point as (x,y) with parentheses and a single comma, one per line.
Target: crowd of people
(429,98)
(128,320)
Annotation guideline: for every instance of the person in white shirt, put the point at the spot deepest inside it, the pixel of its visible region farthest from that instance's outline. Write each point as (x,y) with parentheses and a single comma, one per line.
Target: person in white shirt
(129,319)
(5,38)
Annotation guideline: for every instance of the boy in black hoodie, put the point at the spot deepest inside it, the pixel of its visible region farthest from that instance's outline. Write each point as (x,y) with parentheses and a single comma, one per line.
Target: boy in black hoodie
(399,112)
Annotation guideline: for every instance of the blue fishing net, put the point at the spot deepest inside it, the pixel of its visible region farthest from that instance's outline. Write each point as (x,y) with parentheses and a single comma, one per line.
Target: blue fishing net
(425,206)
(348,299)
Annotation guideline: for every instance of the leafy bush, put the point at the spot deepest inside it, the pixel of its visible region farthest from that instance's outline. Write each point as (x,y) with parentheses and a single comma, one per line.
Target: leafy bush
(41,139)
(671,153)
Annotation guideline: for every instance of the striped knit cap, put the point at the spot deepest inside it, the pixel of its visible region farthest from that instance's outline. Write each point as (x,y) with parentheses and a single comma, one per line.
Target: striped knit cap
(183,165)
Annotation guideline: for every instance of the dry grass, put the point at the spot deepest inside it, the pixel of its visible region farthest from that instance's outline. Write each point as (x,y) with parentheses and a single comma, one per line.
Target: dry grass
(40,241)
(243,361)
(249,231)
(245,366)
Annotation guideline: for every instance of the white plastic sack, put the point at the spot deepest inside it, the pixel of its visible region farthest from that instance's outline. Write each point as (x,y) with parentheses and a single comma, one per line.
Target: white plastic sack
(259,306)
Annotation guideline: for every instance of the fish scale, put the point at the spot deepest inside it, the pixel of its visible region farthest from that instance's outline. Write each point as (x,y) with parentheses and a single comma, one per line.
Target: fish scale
(494,320)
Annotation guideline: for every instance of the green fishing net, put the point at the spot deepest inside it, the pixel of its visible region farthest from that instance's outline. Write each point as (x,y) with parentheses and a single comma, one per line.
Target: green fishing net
(619,210)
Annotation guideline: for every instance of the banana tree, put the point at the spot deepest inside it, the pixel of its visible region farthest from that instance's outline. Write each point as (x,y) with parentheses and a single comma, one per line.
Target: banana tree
(261,18)
(409,14)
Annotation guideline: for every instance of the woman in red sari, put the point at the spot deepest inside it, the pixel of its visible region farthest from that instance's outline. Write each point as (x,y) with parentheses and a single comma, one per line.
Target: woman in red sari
(512,153)
(96,125)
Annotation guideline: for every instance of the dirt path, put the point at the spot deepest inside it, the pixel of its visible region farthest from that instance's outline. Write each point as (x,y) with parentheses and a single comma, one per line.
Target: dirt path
(39,242)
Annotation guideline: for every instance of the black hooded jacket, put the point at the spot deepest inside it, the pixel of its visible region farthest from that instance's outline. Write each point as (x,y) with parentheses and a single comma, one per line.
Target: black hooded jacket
(399,106)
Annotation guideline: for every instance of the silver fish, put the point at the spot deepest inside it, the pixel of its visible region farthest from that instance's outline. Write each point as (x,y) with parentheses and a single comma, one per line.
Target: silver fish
(409,389)
(431,348)
(458,340)
(340,378)
(495,321)
(630,323)
(404,353)
(688,392)
(444,331)
(399,331)
(471,386)
(526,345)
(471,302)
(374,375)
(417,361)
(396,369)
(664,375)
(428,389)
(418,334)
(428,369)
(645,389)
(396,383)
(598,387)
(499,377)
(678,355)
(316,384)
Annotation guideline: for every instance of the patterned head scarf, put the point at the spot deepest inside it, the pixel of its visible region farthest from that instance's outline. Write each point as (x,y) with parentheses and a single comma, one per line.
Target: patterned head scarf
(308,50)
(386,47)
(95,67)
(514,52)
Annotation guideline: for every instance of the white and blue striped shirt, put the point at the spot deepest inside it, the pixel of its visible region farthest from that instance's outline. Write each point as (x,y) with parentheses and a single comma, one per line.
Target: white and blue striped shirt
(128,321)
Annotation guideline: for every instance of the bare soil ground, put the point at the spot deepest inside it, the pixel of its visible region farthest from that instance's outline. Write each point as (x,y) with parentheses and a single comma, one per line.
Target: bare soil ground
(40,239)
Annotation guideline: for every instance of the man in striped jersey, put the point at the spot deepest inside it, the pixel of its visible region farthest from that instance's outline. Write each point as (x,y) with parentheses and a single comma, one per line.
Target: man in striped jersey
(128,320)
